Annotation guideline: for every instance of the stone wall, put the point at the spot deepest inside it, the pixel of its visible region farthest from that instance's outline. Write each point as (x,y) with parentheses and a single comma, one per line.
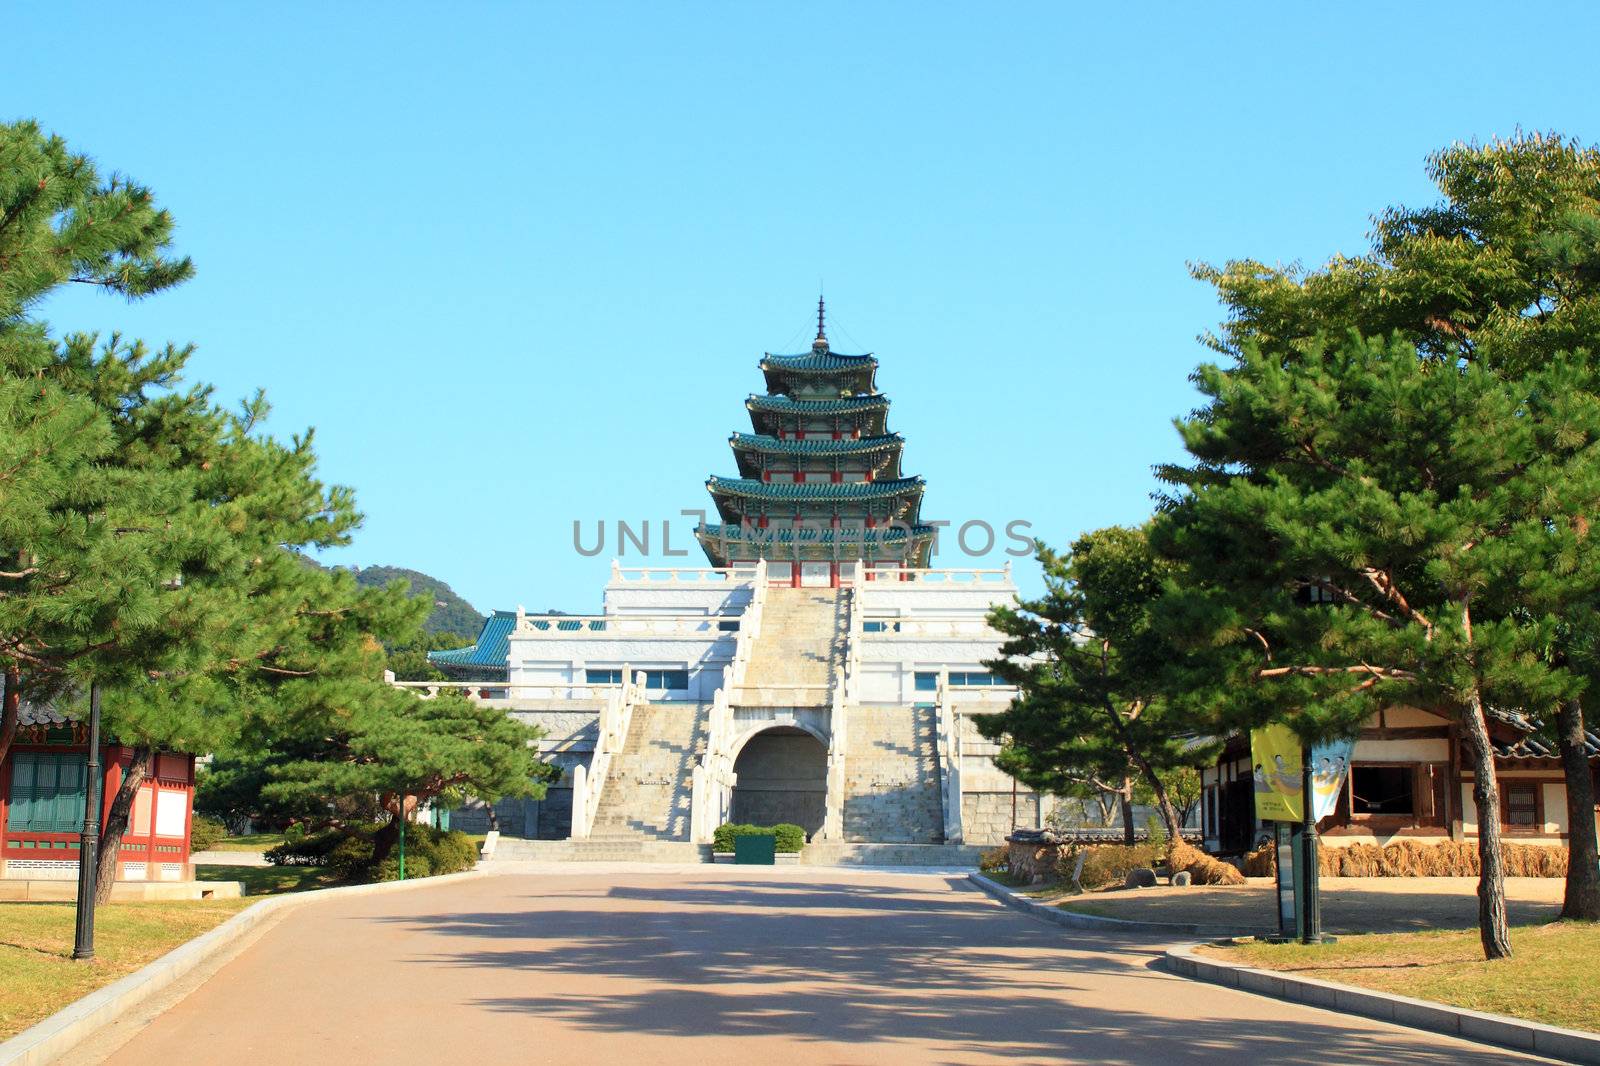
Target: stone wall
(986,816)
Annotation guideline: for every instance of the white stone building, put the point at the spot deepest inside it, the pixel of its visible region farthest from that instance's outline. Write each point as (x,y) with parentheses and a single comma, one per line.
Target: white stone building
(818,672)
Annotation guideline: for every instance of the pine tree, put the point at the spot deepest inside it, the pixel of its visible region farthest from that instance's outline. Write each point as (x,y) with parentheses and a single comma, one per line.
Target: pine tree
(60,223)
(1361,521)
(1503,272)
(1096,676)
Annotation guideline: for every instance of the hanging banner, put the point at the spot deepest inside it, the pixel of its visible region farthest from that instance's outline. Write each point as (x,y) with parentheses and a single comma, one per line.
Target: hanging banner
(1330,765)
(1275,757)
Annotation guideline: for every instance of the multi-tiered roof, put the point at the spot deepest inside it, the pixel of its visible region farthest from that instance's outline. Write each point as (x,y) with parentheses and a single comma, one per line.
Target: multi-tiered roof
(819,476)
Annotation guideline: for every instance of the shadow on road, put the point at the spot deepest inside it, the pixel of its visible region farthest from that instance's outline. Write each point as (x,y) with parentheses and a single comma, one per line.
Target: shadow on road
(864,963)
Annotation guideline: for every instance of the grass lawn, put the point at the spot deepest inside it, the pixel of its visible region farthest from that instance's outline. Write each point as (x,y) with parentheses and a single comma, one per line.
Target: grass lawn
(36,967)
(1549,978)
(253,842)
(267,880)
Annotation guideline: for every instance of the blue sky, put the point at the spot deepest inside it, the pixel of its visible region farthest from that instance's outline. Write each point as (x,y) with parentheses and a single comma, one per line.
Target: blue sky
(516,263)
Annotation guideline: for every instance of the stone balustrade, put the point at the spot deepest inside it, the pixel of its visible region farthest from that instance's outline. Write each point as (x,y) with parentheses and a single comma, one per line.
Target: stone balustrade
(940,576)
(681,575)
(928,629)
(624,626)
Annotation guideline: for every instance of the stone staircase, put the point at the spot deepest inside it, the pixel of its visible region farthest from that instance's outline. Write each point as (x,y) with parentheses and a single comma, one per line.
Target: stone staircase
(511,849)
(891,768)
(804,638)
(648,795)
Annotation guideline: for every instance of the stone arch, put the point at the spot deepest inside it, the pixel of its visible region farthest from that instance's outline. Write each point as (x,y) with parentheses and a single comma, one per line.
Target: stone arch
(782,774)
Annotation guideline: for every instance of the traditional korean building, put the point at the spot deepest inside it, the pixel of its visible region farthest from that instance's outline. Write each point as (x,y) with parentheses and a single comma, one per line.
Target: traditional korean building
(819,483)
(43,786)
(1409,779)
(819,671)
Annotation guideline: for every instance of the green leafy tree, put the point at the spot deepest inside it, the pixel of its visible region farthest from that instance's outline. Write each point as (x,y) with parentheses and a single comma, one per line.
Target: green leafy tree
(1365,519)
(1095,673)
(1502,272)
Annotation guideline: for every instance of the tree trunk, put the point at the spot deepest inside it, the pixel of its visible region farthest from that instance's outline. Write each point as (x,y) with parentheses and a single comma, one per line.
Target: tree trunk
(1492,928)
(1125,798)
(384,840)
(1169,813)
(10,709)
(116,826)
(1583,857)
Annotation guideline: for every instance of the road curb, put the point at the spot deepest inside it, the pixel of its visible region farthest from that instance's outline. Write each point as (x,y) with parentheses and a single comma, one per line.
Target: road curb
(1074,920)
(63,1030)
(1566,1044)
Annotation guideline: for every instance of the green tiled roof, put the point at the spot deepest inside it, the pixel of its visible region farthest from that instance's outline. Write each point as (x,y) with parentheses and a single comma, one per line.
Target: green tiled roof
(761,442)
(489,652)
(843,406)
(789,535)
(814,490)
(818,362)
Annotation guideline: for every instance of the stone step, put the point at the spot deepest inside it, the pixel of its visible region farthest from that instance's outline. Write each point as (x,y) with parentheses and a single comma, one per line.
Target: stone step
(514,850)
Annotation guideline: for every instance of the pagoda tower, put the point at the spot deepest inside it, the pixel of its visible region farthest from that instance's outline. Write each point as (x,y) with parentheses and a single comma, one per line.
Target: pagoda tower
(819,483)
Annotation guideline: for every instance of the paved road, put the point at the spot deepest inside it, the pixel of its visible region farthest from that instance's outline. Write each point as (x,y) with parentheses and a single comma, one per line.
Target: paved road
(711,965)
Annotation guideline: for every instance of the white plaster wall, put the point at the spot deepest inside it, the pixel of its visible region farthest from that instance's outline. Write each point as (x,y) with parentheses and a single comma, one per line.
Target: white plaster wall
(562,661)
(1555,808)
(1398,717)
(946,599)
(1402,751)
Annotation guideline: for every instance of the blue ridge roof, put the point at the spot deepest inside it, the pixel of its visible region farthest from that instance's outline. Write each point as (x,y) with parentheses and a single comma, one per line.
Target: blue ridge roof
(814,490)
(843,405)
(491,649)
(818,362)
(761,442)
(732,533)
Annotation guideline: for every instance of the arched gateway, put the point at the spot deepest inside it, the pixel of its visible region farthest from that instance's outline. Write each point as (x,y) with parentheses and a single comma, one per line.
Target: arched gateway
(782,776)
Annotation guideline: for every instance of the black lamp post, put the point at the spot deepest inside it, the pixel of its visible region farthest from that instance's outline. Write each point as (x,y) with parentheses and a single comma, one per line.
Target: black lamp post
(89,842)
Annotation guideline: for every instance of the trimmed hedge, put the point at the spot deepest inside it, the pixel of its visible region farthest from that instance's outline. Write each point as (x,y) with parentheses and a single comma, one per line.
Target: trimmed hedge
(790,837)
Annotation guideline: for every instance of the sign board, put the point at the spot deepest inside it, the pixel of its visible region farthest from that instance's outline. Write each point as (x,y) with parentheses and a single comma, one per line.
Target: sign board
(1330,765)
(1276,762)
(1276,766)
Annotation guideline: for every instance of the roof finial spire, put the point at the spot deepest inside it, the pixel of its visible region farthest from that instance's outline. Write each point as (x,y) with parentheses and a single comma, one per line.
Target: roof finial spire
(821,343)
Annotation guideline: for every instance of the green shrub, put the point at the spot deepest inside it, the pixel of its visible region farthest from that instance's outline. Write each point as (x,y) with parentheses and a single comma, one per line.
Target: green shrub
(1107,864)
(996,860)
(347,852)
(416,866)
(791,838)
(722,837)
(205,832)
(447,851)
(294,832)
(306,850)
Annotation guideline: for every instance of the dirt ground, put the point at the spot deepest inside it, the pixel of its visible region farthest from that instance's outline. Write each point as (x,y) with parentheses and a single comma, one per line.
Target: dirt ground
(1349,904)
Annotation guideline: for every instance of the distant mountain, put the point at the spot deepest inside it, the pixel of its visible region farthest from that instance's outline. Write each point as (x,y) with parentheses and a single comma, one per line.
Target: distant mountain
(451,613)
